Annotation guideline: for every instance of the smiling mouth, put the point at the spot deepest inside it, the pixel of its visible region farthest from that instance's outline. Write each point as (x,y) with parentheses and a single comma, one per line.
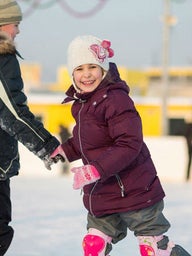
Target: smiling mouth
(88,83)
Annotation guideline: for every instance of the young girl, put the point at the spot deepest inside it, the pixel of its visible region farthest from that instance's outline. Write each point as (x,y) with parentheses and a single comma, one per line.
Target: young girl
(119,180)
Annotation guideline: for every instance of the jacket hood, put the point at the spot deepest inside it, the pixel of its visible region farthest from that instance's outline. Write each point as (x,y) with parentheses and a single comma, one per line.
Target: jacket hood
(112,80)
(7,45)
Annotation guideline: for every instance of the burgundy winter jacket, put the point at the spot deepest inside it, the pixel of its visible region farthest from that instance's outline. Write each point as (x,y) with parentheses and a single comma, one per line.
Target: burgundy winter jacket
(108,135)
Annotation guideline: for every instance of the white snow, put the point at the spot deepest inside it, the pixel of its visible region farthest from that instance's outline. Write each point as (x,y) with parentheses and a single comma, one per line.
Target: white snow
(49,218)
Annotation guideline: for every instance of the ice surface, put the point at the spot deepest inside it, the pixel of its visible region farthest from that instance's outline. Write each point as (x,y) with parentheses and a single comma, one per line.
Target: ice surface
(50,220)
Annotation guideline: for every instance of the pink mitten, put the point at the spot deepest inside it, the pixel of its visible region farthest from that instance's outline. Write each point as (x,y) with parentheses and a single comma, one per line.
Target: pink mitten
(84,175)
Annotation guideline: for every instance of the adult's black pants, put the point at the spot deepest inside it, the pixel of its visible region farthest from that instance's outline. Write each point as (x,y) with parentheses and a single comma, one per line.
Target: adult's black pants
(6,231)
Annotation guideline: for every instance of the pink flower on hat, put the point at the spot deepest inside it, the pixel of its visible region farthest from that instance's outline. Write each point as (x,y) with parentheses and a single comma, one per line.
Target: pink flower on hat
(106,45)
(102,51)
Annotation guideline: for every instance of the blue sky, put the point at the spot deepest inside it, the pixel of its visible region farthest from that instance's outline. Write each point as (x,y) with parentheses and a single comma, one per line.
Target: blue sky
(134,28)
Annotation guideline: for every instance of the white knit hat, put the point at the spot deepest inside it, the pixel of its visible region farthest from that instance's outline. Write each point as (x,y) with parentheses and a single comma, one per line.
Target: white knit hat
(88,49)
(10,12)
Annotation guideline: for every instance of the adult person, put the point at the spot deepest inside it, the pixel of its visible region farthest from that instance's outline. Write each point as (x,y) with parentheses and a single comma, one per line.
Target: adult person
(17,122)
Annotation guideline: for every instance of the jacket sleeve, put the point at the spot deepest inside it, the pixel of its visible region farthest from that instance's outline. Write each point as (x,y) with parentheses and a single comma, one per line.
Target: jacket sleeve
(15,116)
(70,150)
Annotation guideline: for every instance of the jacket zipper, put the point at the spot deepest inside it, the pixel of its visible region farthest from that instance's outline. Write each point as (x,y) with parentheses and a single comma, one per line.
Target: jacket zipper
(79,132)
(90,199)
(82,153)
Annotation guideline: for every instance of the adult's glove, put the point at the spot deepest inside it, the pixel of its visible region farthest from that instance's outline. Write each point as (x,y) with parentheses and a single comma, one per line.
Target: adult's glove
(58,154)
(48,162)
(84,175)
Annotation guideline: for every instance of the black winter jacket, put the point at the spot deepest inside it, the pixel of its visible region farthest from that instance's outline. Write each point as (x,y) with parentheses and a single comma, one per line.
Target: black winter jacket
(17,123)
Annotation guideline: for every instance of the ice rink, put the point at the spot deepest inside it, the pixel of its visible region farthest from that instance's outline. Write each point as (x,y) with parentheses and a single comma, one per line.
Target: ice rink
(50,220)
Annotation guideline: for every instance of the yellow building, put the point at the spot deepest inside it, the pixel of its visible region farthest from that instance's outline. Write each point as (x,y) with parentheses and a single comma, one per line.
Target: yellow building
(145,86)
(48,108)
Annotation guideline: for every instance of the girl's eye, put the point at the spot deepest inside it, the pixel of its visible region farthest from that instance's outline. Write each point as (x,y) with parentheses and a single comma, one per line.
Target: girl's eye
(78,69)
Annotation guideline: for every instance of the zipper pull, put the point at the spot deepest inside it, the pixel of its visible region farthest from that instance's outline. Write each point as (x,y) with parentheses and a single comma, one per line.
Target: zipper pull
(121,186)
(122,191)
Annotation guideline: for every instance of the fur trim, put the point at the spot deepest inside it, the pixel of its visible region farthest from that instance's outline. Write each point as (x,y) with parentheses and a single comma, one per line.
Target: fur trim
(7,45)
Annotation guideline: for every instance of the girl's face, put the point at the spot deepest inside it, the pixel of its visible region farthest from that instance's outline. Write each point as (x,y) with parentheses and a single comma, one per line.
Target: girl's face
(11,29)
(87,77)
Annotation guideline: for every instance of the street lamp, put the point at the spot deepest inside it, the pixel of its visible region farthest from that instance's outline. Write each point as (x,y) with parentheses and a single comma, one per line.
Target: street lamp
(168,21)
